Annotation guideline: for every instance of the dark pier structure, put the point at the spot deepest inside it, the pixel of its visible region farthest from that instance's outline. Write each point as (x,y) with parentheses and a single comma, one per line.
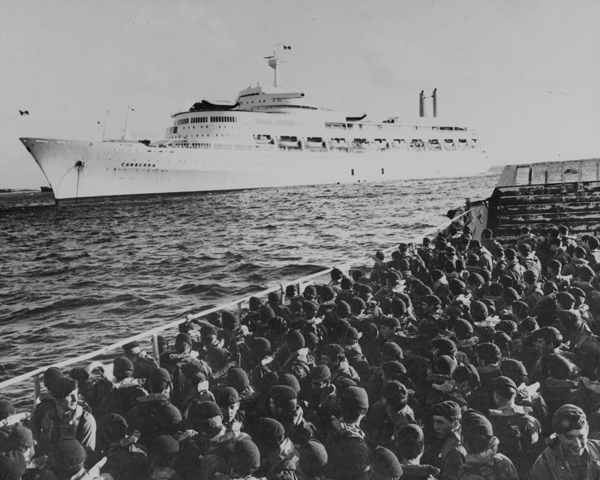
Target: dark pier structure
(542,195)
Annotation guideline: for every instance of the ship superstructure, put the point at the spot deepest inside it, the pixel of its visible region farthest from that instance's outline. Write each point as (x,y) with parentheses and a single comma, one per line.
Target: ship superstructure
(269,137)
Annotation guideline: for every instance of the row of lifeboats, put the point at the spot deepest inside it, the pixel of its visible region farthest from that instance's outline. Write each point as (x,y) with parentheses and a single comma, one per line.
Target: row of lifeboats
(363,144)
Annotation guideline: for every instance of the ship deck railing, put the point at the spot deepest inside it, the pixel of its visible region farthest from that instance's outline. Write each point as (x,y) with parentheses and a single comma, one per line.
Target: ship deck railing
(36,375)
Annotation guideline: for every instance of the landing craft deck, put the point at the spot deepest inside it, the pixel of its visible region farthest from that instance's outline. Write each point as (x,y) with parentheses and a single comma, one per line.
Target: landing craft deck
(268,138)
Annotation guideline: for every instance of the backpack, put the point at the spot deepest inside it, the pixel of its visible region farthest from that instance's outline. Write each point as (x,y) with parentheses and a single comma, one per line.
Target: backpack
(508,429)
(121,400)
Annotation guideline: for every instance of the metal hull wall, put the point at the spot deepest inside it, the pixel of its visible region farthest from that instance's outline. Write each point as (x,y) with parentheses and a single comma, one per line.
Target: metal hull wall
(77,169)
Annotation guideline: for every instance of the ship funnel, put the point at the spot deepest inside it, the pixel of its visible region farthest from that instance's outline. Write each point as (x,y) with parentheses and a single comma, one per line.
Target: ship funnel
(421,104)
(434,96)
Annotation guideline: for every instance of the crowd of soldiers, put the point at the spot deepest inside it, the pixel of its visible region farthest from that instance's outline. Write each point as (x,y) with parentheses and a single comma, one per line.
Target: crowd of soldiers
(453,359)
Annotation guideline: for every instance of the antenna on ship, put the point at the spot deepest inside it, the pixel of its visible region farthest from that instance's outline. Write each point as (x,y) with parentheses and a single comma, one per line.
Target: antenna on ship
(274,62)
(126,130)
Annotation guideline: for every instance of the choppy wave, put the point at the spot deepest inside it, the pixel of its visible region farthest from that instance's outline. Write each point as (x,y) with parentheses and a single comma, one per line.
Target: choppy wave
(77,277)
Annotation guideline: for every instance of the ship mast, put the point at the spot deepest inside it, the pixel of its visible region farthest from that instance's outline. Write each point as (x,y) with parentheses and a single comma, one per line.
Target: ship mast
(274,64)
(104,130)
(126,130)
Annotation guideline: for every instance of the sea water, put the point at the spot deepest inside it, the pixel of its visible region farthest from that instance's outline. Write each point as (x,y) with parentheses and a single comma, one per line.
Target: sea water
(75,278)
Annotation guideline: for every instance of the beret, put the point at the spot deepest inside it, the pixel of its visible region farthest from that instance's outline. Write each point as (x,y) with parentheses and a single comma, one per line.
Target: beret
(282,393)
(238,379)
(310,290)
(228,396)
(513,369)
(6,409)
(568,417)
(21,437)
(204,410)
(68,453)
(474,424)
(332,350)
(289,380)
(445,346)
(355,396)
(266,312)
(447,409)
(385,463)
(320,373)
(393,393)
(479,307)
(310,339)
(351,334)
(160,374)
(131,345)
(310,307)
(208,330)
(467,372)
(559,367)
(184,338)
(229,320)
(274,297)
(433,300)
(529,324)
(246,455)
(327,293)
(164,445)
(393,368)
(269,428)
(261,343)
(255,303)
(112,427)
(122,364)
(50,376)
(358,303)
(62,387)
(445,365)
(390,322)
(550,287)
(398,306)
(343,307)
(295,340)
(392,350)
(313,458)
(503,383)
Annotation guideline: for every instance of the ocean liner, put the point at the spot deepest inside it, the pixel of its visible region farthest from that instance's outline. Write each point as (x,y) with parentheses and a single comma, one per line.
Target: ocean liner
(269,137)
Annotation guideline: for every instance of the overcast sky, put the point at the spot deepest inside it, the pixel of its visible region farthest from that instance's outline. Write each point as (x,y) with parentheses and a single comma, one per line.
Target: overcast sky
(524,74)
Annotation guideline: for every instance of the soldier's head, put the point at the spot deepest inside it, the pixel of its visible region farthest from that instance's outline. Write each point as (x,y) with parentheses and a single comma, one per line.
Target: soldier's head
(283,399)
(504,391)
(571,425)
(477,432)
(446,419)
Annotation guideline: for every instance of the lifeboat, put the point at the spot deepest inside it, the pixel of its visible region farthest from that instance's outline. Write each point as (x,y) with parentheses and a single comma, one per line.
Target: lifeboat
(380,144)
(399,143)
(263,139)
(449,144)
(338,143)
(462,144)
(434,144)
(315,143)
(473,143)
(289,142)
(417,144)
(363,144)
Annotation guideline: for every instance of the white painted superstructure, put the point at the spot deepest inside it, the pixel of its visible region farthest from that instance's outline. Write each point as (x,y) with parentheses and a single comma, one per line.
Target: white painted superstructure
(269,138)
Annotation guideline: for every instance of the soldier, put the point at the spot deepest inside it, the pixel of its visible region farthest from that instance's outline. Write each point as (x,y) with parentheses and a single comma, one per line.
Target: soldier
(483,459)
(518,432)
(447,453)
(570,454)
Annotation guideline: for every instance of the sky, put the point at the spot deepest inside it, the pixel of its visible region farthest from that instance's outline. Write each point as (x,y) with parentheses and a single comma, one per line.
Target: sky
(524,74)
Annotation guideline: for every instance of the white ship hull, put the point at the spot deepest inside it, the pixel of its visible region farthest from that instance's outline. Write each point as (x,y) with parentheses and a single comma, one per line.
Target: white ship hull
(78,169)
